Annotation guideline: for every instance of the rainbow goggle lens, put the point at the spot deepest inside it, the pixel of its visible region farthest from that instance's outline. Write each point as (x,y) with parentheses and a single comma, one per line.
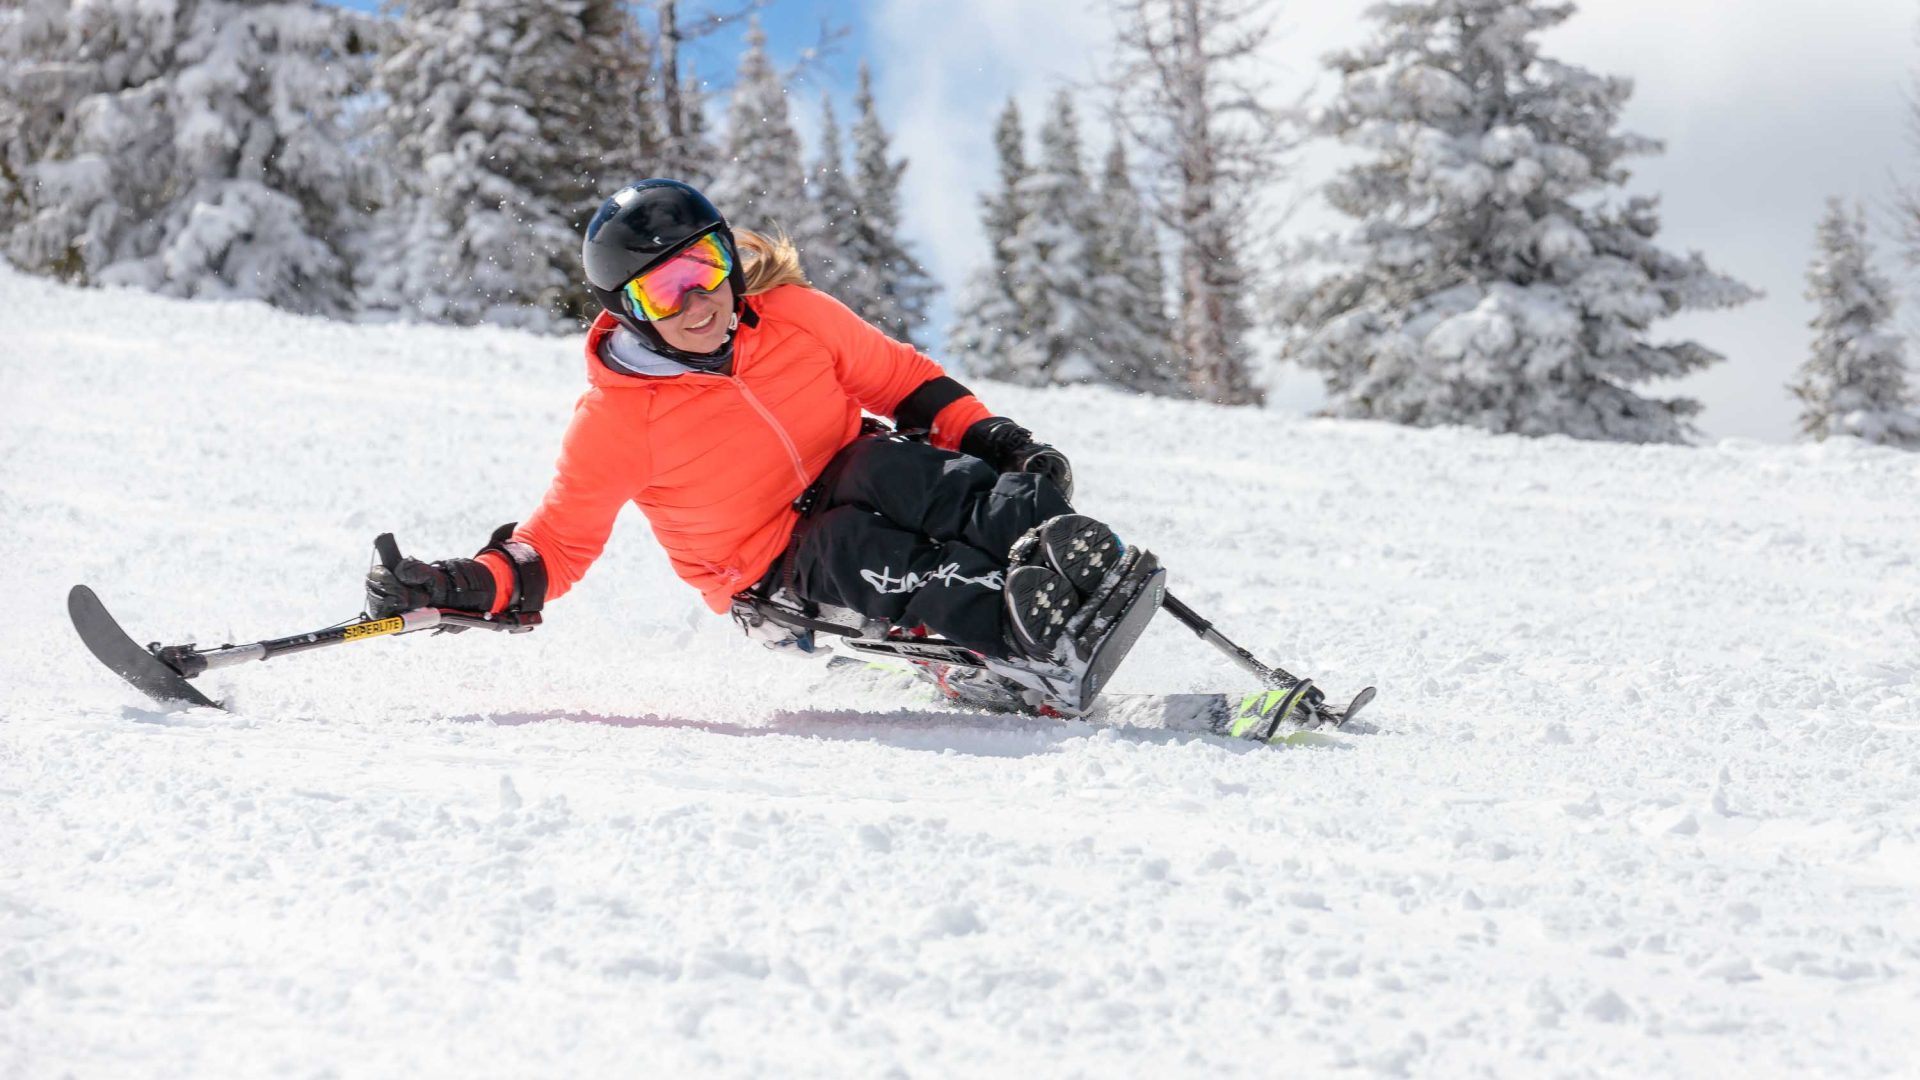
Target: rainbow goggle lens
(662,292)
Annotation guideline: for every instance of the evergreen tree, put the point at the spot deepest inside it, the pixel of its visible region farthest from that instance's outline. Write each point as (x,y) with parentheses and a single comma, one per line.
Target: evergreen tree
(835,209)
(1050,257)
(1002,210)
(695,157)
(595,87)
(1136,338)
(192,148)
(485,120)
(606,98)
(987,318)
(896,289)
(1485,285)
(1190,89)
(986,322)
(761,185)
(1855,381)
(39,86)
(688,152)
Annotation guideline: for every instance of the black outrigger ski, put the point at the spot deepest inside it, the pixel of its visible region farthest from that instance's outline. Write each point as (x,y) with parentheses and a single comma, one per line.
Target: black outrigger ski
(112,647)
(161,671)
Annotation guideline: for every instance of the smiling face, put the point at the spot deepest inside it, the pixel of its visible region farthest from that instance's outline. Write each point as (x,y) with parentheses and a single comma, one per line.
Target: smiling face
(702,325)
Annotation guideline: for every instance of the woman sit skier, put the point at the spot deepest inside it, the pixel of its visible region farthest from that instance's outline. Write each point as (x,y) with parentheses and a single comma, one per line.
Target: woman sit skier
(722,389)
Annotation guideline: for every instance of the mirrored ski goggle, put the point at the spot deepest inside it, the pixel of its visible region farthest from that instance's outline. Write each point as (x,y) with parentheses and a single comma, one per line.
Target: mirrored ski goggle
(661,293)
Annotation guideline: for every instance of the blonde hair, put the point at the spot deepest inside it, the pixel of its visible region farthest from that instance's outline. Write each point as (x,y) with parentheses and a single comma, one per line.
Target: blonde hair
(768,262)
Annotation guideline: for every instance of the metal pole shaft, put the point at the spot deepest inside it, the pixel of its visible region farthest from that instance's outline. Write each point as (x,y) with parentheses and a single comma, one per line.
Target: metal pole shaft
(191,662)
(1273,678)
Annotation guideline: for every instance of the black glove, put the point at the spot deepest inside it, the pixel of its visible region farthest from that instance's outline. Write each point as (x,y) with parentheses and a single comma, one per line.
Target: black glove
(1009,447)
(460,584)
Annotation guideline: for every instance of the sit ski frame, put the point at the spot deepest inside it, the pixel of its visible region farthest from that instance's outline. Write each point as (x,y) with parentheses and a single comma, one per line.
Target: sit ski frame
(1058,688)
(1098,638)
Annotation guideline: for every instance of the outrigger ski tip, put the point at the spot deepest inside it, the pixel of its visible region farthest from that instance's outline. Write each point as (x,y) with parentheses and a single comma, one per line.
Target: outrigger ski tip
(111,646)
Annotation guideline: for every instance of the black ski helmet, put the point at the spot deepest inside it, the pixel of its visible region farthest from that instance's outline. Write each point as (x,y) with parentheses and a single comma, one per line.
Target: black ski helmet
(640,226)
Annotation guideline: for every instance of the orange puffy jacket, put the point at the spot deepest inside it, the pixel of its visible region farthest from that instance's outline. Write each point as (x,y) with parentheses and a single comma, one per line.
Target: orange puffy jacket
(716,461)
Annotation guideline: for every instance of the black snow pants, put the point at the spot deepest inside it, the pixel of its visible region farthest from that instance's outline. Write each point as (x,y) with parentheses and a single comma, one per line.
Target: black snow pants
(915,535)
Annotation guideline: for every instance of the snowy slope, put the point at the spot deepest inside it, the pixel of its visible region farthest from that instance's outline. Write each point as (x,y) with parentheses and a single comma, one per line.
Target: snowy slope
(1644,799)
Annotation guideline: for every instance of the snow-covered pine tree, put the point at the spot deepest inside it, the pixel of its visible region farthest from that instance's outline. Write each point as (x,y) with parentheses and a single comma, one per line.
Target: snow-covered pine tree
(1136,339)
(1050,256)
(38,87)
(696,156)
(482,104)
(607,98)
(1189,87)
(898,289)
(832,270)
(1855,380)
(986,318)
(762,184)
(193,147)
(688,152)
(592,85)
(1002,210)
(1906,193)
(1486,284)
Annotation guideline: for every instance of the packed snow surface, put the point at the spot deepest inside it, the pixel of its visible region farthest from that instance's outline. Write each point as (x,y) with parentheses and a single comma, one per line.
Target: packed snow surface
(1642,796)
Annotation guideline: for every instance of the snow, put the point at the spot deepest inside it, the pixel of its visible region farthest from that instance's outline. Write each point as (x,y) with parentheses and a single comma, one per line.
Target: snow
(1643,798)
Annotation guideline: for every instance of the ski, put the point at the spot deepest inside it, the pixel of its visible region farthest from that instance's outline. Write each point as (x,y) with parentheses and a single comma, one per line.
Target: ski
(1270,716)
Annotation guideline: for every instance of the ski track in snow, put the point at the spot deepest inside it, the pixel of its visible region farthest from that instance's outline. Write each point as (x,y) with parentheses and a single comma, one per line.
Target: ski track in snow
(1643,798)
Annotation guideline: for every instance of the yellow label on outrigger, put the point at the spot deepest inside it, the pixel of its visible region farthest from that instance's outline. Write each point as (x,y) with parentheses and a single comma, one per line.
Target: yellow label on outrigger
(373,629)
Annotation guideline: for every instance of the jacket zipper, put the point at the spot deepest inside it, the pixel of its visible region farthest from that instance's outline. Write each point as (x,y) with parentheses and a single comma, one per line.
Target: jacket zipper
(793,453)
